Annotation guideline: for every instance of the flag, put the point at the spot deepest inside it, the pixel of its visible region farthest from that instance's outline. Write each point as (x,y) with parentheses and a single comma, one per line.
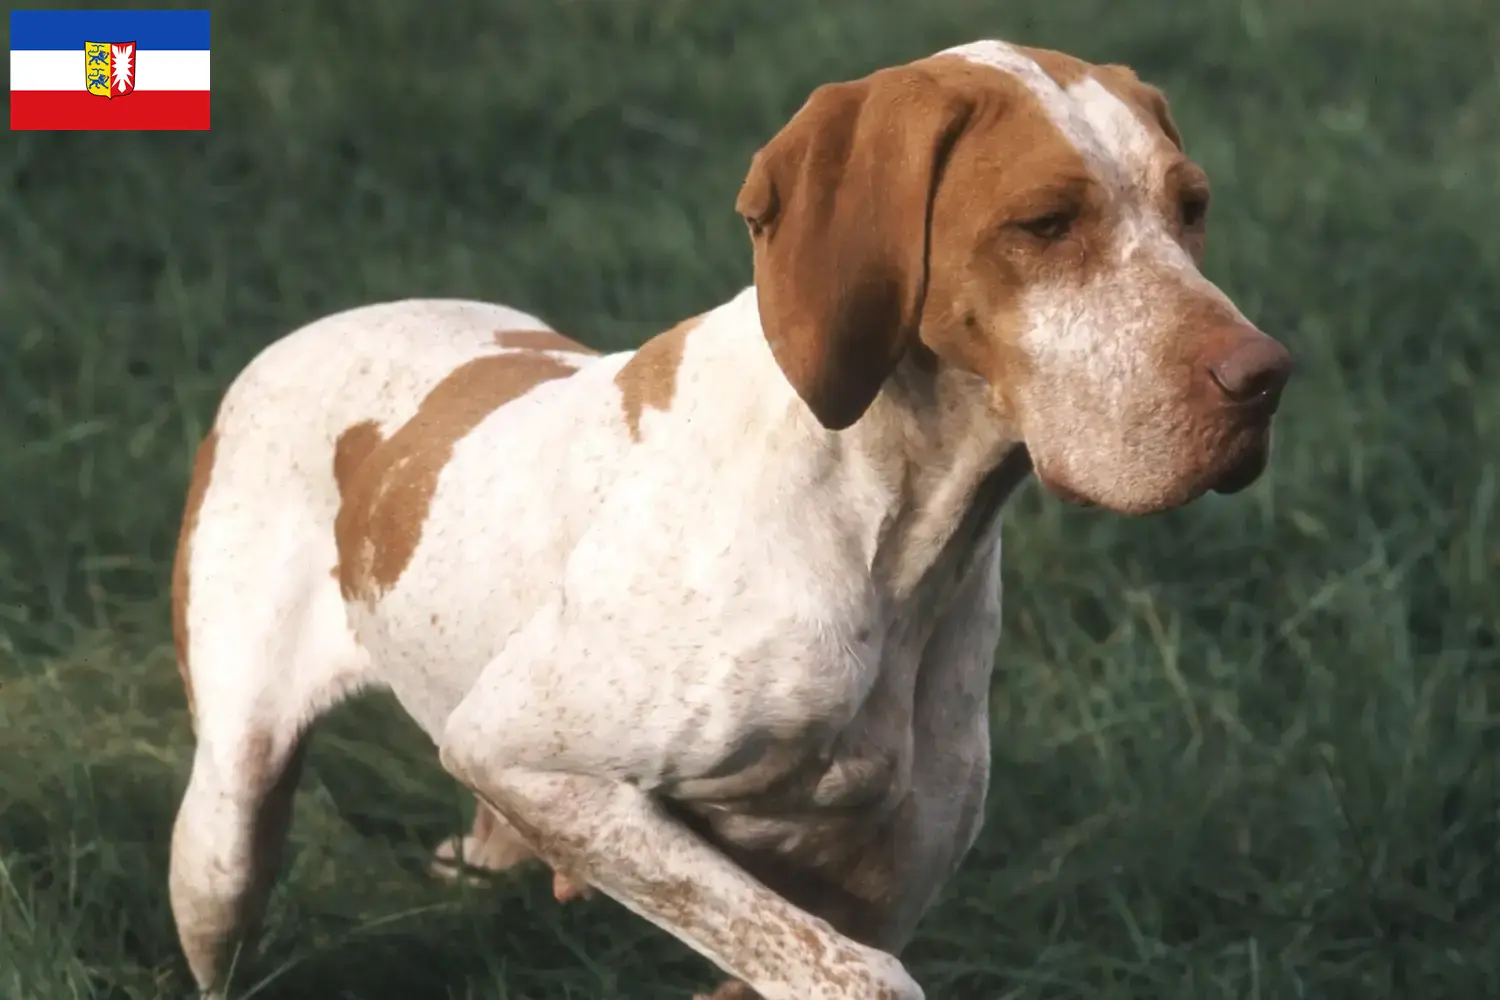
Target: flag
(109,69)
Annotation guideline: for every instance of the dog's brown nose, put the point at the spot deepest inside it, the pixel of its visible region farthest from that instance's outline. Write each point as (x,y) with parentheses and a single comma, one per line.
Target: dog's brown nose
(1253,372)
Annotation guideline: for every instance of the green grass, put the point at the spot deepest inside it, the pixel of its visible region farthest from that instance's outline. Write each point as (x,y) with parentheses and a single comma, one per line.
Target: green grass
(1244,750)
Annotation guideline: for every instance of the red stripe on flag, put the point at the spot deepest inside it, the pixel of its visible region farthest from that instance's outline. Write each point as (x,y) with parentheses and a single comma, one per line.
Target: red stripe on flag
(78,110)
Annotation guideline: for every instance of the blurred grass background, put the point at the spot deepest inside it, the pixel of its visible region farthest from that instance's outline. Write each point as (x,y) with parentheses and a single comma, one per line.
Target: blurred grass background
(1244,750)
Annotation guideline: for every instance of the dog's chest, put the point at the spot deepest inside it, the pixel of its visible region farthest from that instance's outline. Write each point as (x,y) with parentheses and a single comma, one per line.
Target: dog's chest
(864,828)
(857,830)
(851,840)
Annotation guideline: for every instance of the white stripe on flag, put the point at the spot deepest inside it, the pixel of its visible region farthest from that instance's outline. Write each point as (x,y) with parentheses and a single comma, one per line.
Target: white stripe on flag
(156,69)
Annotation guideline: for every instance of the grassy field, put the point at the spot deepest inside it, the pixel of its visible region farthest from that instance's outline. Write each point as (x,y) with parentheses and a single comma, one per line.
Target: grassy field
(1245,750)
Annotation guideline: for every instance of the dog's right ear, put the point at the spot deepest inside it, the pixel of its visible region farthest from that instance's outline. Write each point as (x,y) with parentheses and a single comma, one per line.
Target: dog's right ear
(839,207)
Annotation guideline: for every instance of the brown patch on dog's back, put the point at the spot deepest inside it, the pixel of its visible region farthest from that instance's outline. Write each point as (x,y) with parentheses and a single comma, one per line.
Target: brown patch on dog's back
(351,450)
(540,340)
(203,464)
(649,378)
(386,499)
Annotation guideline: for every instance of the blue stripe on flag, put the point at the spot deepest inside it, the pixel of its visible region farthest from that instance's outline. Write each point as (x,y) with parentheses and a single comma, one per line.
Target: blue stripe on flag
(52,30)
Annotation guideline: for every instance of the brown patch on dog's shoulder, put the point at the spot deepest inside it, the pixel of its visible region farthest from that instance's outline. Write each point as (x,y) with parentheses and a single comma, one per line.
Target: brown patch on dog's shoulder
(540,340)
(203,465)
(385,502)
(649,378)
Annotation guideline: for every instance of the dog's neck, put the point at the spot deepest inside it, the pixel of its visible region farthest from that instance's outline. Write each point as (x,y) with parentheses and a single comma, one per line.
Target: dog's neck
(930,463)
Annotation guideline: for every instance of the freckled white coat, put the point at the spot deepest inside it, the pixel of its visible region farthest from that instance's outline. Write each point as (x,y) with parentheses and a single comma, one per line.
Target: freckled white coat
(717,651)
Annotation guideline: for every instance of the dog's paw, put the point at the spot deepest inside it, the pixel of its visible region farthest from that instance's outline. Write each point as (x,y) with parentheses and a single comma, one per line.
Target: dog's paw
(565,890)
(494,846)
(467,858)
(451,858)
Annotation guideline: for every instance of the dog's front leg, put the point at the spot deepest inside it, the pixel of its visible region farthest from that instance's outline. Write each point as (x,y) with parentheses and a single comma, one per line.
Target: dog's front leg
(617,838)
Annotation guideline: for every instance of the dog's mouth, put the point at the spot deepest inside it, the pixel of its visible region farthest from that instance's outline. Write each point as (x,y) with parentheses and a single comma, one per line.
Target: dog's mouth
(1245,470)
(1247,456)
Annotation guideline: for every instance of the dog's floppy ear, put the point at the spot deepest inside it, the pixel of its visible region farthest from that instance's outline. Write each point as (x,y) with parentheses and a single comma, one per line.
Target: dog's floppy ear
(839,205)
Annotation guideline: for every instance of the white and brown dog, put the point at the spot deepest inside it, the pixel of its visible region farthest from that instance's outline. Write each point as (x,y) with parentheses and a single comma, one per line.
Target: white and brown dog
(709,626)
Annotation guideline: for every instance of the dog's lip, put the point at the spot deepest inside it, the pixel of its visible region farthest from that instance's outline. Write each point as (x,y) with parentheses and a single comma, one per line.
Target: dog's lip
(1235,483)
(1243,474)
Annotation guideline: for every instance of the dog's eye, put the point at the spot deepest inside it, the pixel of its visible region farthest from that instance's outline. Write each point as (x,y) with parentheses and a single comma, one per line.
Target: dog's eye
(1052,226)
(1193,209)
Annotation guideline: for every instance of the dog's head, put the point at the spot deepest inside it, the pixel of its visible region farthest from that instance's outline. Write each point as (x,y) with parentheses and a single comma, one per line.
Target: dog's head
(1033,220)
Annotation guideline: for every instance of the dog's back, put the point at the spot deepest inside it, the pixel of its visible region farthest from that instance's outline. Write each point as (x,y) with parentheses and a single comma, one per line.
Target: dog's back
(257,581)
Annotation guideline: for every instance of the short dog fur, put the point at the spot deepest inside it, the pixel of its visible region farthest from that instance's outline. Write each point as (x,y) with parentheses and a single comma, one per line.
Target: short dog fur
(709,626)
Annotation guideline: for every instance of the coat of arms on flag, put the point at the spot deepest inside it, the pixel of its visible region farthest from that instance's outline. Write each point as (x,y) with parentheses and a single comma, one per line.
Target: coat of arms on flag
(109,68)
(68,66)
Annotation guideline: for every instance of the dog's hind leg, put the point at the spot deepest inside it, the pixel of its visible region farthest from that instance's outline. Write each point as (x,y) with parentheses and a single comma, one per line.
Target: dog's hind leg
(264,647)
